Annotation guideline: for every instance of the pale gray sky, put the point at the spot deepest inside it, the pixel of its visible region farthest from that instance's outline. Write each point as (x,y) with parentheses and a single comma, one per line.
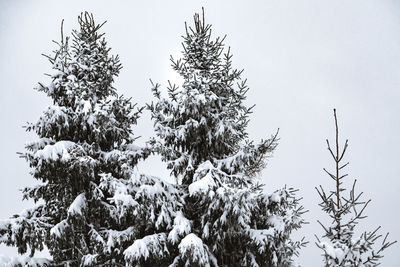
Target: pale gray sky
(301,58)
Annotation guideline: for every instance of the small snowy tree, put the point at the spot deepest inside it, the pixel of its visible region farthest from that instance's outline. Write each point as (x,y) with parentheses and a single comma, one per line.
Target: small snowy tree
(339,244)
(85,142)
(226,219)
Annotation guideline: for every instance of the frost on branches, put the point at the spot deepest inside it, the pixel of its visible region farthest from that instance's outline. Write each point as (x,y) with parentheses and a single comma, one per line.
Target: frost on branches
(83,159)
(92,208)
(226,219)
(340,245)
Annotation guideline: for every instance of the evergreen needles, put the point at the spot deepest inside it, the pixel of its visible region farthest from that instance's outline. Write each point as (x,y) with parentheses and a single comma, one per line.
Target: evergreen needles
(339,244)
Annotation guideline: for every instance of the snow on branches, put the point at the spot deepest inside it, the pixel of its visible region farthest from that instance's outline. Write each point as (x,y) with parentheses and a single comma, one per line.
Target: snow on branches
(339,244)
(94,208)
(86,133)
(201,134)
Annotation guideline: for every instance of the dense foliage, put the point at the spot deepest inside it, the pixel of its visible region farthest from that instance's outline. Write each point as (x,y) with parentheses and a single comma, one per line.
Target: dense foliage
(93,208)
(85,137)
(201,134)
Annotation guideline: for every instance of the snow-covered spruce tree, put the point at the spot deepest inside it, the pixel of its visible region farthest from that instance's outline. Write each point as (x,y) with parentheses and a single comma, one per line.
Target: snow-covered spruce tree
(226,219)
(83,160)
(341,248)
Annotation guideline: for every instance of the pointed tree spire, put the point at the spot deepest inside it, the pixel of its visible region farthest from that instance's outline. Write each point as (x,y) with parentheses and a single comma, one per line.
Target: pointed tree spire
(85,135)
(339,244)
(201,134)
(206,119)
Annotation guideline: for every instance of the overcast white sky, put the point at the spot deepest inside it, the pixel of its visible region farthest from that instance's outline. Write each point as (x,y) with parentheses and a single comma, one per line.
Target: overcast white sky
(301,58)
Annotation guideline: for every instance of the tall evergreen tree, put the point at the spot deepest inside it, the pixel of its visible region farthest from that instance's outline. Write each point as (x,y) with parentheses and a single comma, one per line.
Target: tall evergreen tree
(94,209)
(226,219)
(340,246)
(85,139)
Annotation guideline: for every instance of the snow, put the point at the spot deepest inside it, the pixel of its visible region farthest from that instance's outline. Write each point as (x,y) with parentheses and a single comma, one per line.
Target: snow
(138,249)
(57,151)
(277,223)
(123,200)
(119,155)
(38,144)
(59,229)
(119,190)
(262,237)
(115,238)
(55,73)
(142,248)
(72,78)
(142,206)
(181,226)
(203,185)
(6,261)
(86,106)
(193,246)
(78,206)
(95,236)
(276,197)
(151,190)
(89,260)
(332,251)
(54,114)
(163,218)
(206,230)
(4,224)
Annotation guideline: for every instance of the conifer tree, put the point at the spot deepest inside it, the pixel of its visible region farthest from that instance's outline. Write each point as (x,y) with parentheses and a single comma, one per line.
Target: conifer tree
(340,245)
(85,143)
(226,218)
(93,209)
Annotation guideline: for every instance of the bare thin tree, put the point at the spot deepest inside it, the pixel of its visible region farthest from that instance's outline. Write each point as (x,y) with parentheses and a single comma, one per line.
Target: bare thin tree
(339,244)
